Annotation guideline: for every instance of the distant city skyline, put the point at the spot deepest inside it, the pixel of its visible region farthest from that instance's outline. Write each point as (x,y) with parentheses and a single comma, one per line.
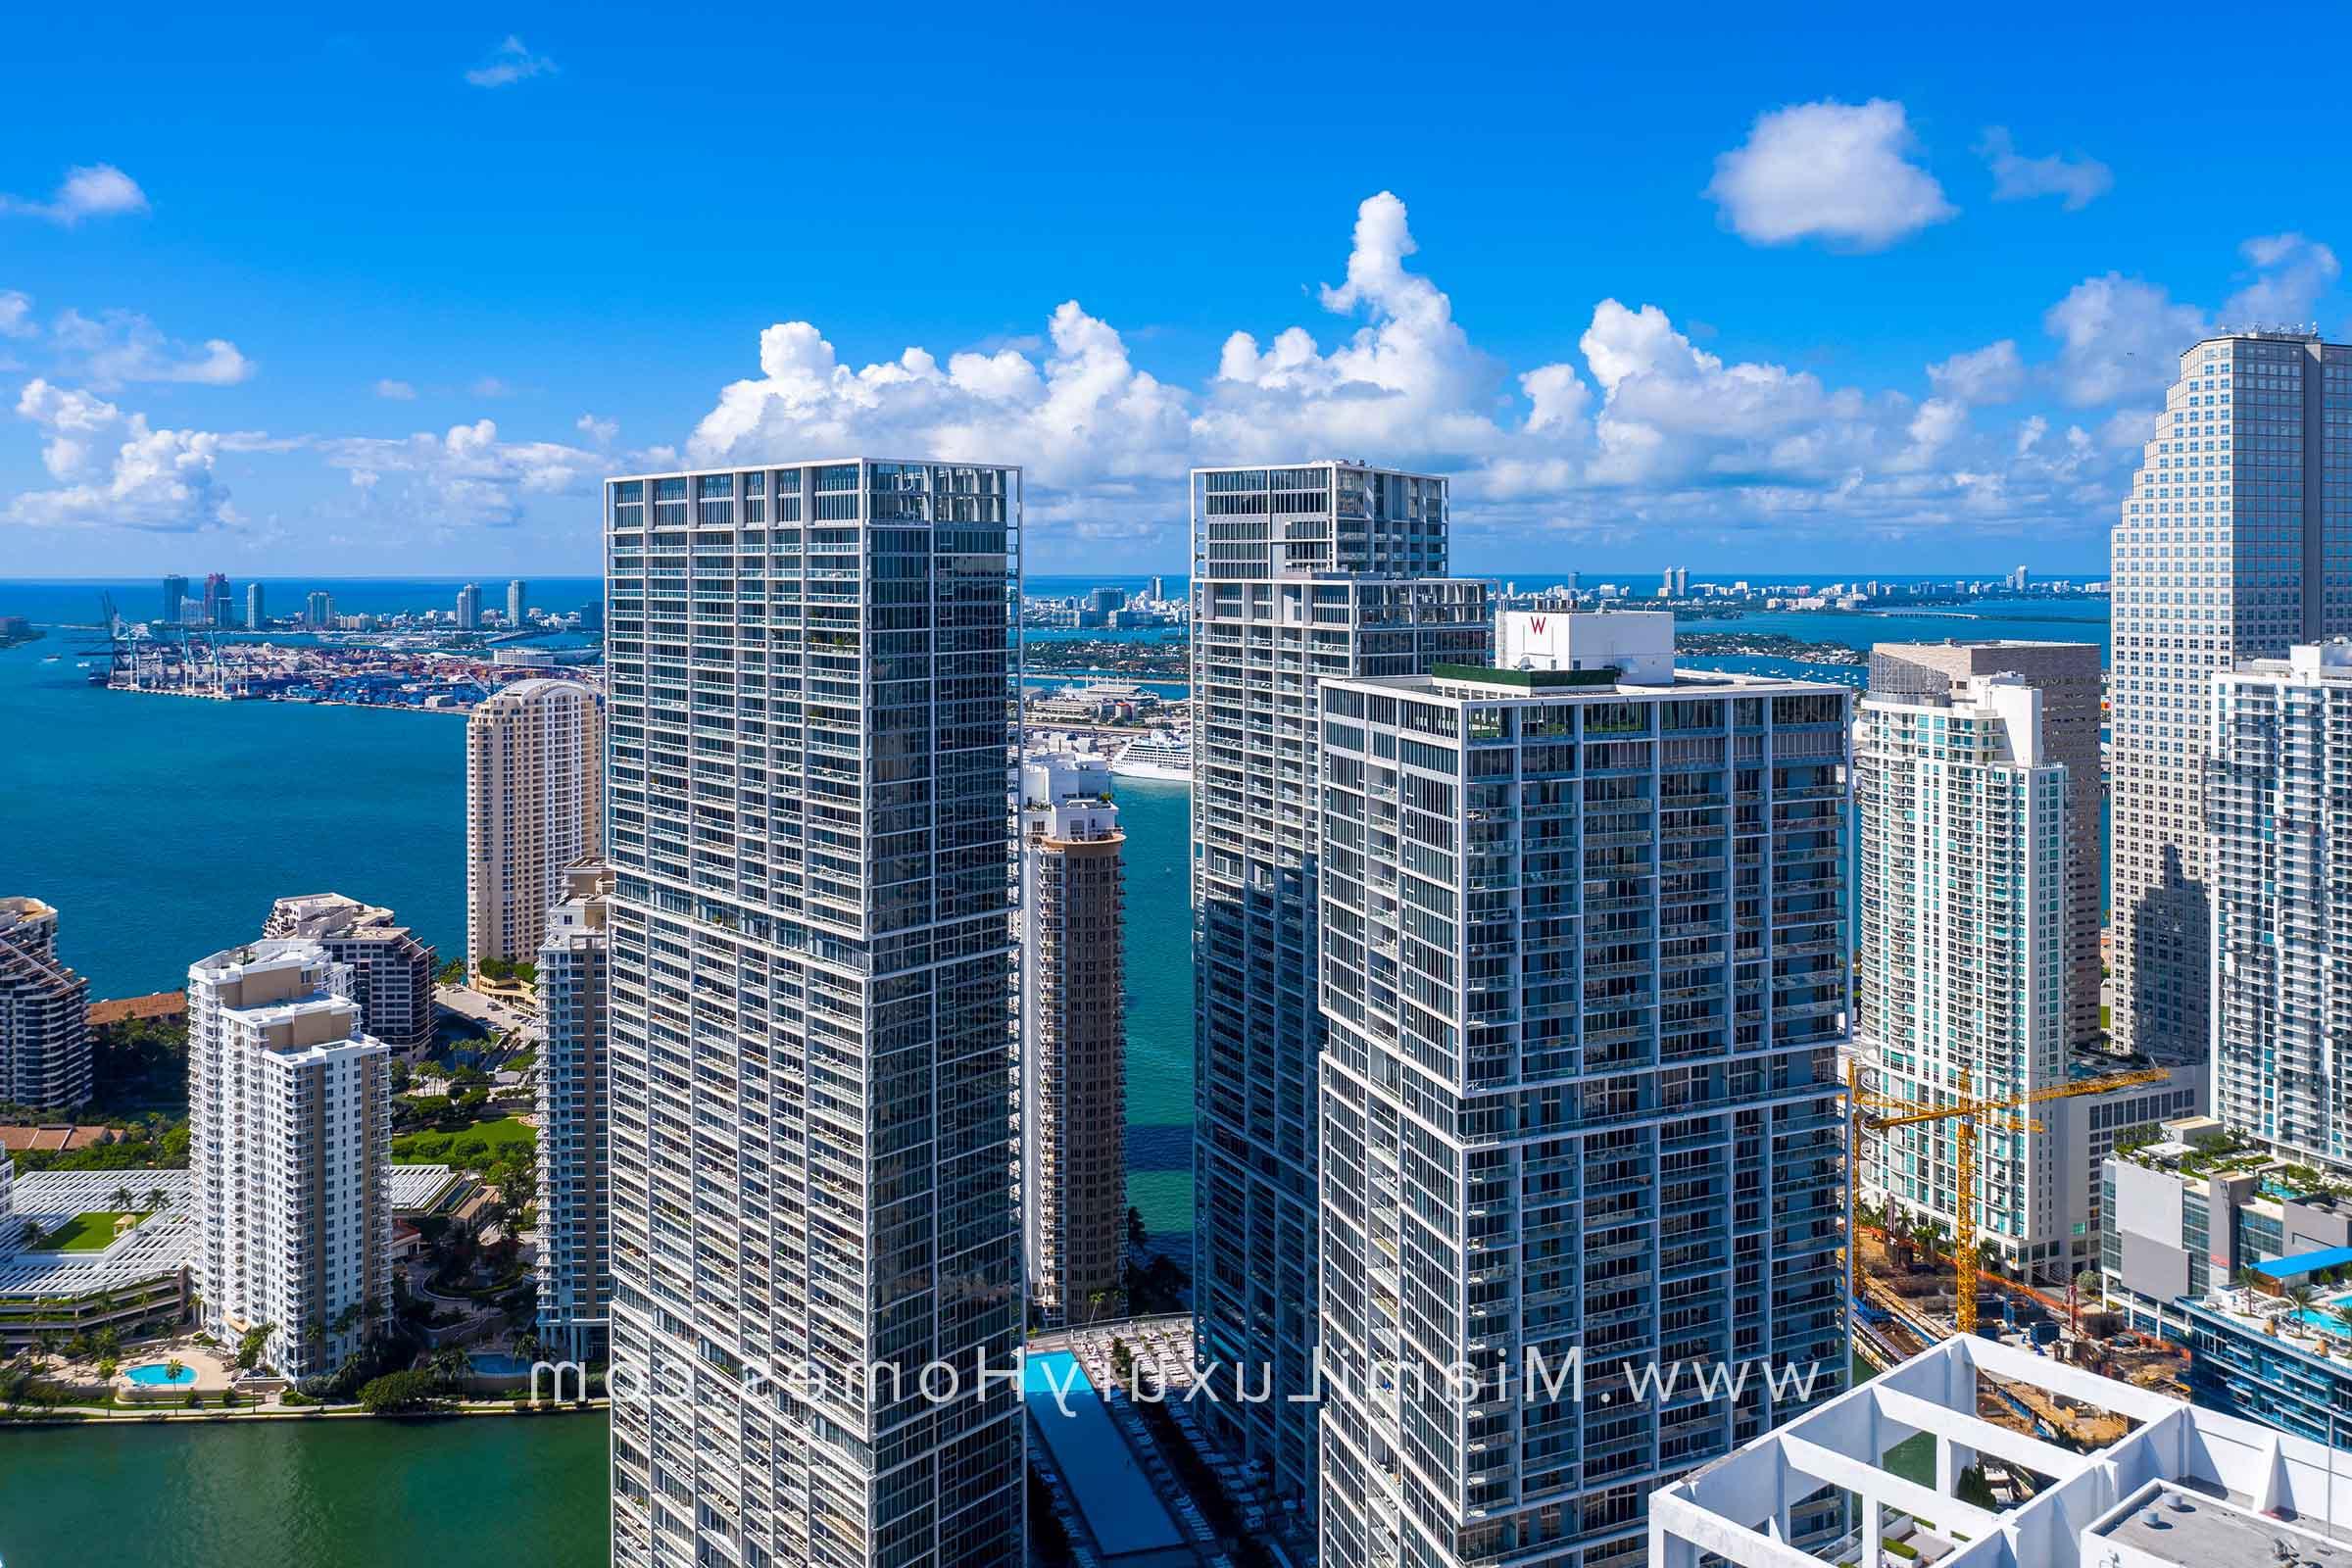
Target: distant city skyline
(1593,576)
(1809,288)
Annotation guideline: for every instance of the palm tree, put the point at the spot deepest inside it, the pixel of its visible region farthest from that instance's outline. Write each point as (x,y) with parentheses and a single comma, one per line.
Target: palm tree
(174,1368)
(158,1199)
(448,1364)
(120,1199)
(2344,1318)
(2086,1285)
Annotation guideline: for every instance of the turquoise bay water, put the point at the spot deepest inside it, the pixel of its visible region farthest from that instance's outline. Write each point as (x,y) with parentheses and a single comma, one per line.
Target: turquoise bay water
(163,827)
(495,1492)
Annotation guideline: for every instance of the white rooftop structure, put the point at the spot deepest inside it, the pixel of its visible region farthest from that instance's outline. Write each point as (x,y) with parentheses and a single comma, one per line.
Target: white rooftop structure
(2184,1487)
(419,1189)
(1637,642)
(162,1243)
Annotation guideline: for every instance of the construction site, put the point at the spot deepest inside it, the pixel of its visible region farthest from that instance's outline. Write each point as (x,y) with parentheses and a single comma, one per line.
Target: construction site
(1912,1288)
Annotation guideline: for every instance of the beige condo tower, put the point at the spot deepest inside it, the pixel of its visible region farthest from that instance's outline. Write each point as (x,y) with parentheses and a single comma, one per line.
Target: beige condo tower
(533,806)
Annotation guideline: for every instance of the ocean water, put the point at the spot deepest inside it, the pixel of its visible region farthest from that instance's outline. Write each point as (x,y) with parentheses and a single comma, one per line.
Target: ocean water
(163,827)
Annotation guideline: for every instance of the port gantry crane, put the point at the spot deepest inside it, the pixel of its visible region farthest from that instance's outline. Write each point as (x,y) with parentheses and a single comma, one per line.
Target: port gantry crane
(1875,1114)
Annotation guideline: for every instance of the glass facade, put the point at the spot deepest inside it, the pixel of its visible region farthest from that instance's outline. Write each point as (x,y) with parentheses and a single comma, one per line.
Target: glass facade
(1583,970)
(1301,574)
(811,957)
(2234,542)
(2278,818)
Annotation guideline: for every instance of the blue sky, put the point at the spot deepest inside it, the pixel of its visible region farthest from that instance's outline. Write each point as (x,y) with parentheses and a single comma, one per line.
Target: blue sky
(276,297)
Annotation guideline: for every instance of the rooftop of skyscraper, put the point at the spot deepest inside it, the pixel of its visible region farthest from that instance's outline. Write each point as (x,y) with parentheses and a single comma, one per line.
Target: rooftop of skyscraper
(2181,1485)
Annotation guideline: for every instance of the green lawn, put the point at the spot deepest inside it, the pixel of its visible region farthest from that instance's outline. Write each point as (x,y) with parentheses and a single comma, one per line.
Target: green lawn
(442,1148)
(94,1232)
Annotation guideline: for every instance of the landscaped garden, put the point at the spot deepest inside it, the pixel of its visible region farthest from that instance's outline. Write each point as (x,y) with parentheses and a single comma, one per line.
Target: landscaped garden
(94,1232)
(475,1147)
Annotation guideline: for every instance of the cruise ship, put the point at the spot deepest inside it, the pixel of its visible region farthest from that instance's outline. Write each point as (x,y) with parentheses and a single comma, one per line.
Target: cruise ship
(1165,754)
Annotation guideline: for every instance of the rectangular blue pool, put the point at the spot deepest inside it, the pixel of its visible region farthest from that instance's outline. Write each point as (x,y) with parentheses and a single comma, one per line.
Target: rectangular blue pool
(1120,1507)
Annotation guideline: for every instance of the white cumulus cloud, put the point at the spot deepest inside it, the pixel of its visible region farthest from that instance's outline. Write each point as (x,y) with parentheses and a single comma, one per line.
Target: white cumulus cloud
(466,477)
(114,469)
(1834,171)
(119,347)
(90,190)
(1993,374)
(2293,274)
(1641,429)
(2076,181)
(1636,422)
(396,391)
(2119,337)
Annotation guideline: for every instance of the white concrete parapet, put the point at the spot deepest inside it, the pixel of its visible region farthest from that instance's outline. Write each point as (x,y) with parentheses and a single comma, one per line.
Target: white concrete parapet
(2184,1487)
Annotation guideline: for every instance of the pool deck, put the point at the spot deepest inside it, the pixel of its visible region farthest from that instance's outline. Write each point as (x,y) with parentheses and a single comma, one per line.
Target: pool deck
(1121,1510)
(215,1373)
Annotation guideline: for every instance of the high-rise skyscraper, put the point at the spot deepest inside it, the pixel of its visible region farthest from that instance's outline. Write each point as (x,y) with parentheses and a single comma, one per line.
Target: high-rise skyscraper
(575,1253)
(534,769)
(175,596)
(814,671)
(2073,692)
(254,614)
(1300,574)
(2279,803)
(1583,965)
(391,970)
(518,592)
(1964,815)
(44,1013)
(469,607)
(291,1147)
(219,603)
(2234,542)
(318,612)
(1073,1037)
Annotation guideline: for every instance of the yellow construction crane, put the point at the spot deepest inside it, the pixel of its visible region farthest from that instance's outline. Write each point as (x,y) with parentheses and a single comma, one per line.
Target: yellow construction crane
(1965,1109)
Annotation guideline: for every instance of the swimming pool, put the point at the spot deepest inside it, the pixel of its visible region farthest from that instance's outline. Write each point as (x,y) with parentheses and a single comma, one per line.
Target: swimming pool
(159,1375)
(1120,1506)
(495,1364)
(2323,1316)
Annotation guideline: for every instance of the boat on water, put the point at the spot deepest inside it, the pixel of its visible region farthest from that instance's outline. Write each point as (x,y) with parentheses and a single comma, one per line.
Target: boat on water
(1165,754)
